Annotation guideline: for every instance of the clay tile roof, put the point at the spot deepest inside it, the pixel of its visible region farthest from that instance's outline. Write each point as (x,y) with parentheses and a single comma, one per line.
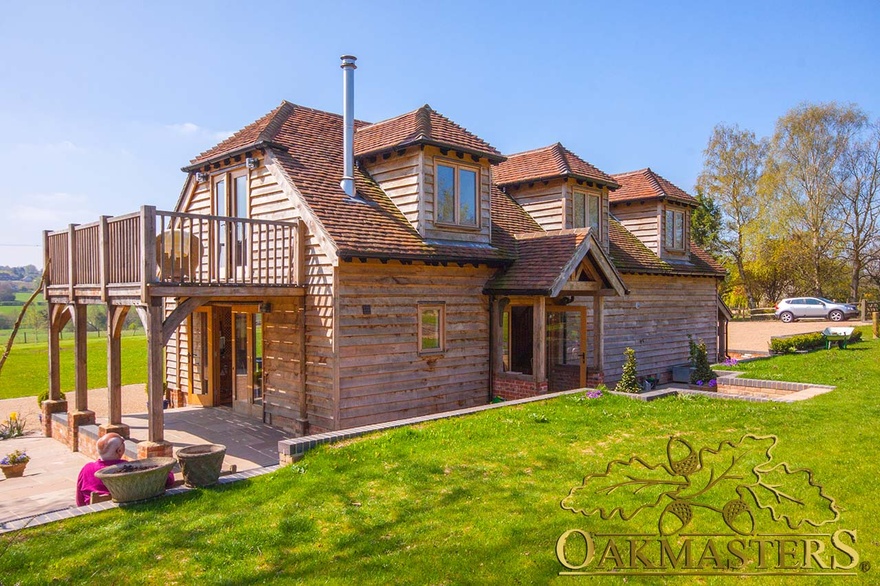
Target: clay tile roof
(646,184)
(261,132)
(629,255)
(422,126)
(311,157)
(541,259)
(548,162)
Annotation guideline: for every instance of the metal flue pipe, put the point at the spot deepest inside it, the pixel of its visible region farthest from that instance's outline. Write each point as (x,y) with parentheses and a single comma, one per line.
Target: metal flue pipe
(348,68)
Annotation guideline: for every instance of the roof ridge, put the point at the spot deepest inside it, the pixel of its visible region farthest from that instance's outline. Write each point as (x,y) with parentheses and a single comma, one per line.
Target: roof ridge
(282,113)
(561,155)
(642,171)
(529,152)
(423,121)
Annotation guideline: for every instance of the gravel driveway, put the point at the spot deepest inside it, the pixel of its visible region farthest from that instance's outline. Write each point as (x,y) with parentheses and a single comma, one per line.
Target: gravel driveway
(754,336)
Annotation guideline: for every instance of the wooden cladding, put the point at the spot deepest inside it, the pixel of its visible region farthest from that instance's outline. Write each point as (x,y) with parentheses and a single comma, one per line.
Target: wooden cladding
(172,248)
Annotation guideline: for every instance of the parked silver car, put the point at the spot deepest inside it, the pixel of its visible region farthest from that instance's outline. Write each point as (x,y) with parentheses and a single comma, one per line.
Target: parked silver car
(794,308)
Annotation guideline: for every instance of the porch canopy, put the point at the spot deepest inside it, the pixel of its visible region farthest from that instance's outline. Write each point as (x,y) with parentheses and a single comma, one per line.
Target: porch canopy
(558,266)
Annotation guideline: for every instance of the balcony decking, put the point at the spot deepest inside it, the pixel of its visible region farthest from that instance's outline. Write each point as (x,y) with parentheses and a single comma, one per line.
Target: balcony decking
(129,259)
(140,259)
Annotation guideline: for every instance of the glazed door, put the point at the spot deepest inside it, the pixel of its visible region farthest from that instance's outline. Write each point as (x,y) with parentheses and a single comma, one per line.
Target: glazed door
(201,389)
(223,354)
(566,349)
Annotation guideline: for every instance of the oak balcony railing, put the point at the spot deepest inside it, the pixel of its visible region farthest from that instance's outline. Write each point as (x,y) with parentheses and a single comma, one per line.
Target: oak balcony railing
(154,248)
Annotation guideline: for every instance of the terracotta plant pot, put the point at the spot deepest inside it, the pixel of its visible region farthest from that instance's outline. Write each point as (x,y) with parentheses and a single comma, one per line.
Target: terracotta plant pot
(136,480)
(13,470)
(201,465)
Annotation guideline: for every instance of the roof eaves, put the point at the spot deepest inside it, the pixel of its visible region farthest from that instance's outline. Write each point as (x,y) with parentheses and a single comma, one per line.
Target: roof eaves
(260,144)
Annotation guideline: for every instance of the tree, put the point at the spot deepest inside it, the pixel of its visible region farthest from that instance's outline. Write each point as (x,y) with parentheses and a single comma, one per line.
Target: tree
(628,382)
(858,184)
(806,151)
(7,293)
(732,165)
(706,223)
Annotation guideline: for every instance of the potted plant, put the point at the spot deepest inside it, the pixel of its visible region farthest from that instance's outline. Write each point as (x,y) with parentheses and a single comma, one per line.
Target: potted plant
(201,464)
(13,464)
(136,480)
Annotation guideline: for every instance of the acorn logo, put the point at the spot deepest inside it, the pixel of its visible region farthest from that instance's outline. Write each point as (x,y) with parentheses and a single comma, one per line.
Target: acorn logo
(728,509)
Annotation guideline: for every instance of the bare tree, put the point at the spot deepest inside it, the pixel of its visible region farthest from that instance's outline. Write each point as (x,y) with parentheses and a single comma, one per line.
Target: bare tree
(732,165)
(858,185)
(805,152)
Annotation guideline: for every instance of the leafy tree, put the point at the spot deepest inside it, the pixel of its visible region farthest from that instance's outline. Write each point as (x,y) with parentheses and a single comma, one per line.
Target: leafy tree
(806,151)
(706,223)
(857,182)
(7,292)
(732,166)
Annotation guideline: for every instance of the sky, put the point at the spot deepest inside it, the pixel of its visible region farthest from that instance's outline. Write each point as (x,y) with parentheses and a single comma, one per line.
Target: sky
(101,104)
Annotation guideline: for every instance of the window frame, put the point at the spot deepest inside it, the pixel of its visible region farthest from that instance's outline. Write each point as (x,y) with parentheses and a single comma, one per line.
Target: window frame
(587,198)
(670,232)
(440,307)
(457,168)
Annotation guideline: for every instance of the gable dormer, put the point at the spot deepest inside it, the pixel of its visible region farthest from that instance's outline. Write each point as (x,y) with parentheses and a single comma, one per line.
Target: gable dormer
(656,211)
(559,189)
(436,172)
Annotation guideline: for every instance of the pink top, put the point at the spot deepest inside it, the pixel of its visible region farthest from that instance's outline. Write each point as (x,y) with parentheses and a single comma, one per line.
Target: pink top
(86,483)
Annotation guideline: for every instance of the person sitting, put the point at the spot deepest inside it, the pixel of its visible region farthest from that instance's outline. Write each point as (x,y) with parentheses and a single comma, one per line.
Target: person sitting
(111,448)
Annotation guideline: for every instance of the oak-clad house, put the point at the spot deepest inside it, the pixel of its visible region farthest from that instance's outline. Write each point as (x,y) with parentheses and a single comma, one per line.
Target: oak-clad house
(438,275)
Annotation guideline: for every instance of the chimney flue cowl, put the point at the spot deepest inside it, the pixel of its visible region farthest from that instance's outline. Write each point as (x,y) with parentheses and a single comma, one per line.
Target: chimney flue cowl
(348,68)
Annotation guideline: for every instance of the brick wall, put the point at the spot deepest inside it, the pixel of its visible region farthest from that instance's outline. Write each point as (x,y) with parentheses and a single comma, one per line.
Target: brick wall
(512,388)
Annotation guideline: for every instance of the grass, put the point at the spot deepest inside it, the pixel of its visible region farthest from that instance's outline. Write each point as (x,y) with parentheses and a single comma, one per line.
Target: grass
(468,500)
(26,370)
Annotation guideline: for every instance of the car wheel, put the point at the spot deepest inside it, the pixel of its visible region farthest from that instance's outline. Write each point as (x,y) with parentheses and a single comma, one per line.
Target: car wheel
(836,315)
(786,317)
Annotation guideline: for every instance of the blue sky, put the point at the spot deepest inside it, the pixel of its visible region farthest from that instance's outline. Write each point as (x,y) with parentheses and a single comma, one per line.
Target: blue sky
(102,103)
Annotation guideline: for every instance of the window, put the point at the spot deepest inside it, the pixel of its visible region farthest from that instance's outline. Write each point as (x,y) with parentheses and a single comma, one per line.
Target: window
(674,230)
(432,318)
(585,211)
(457,199)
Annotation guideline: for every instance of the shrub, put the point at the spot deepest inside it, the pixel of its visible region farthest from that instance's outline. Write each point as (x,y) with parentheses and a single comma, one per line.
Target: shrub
(628,382)
(809,341)
(700,358)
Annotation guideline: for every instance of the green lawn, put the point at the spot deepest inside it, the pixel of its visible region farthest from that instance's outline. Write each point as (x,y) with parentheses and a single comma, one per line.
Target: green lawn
(475,499)
(26,370)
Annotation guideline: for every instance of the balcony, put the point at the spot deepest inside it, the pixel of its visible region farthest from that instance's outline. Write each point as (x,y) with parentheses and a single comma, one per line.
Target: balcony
(153,253)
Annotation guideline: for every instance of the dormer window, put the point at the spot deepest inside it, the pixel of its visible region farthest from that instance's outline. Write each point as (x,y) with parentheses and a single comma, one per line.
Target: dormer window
(674,230)
(456,202)
(585,212)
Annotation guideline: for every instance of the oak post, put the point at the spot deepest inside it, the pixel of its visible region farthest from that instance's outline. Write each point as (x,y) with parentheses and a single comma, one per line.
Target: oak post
(148,250)
(54,355)
(303,419)
(104,255)
(71,259)
(115,317)
(80,351)
(539,336)
(599,331)
(299,258)
(154,372)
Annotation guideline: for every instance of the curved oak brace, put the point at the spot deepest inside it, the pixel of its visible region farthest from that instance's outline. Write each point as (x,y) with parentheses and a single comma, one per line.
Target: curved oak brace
(180,313)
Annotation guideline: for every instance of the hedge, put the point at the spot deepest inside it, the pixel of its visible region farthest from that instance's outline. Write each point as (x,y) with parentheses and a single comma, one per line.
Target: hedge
(810,341)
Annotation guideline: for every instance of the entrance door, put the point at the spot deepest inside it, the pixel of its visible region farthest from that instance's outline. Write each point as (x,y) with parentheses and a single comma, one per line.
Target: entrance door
(201,390)
(566,350)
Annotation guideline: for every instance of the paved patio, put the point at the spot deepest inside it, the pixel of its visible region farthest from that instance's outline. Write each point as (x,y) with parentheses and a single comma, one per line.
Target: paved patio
(49,481)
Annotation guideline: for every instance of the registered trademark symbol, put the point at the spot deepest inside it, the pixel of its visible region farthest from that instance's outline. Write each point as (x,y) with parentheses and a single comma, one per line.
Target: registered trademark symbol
(865,566)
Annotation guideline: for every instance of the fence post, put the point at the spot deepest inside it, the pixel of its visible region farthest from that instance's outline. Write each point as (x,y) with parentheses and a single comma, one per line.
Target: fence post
(863,309)
(876,325)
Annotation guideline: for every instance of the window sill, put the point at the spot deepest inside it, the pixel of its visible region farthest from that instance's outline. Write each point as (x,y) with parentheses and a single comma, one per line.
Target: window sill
(457,227)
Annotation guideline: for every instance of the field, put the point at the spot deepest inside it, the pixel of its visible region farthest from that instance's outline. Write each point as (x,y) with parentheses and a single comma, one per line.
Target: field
(26,370)
(483,498)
